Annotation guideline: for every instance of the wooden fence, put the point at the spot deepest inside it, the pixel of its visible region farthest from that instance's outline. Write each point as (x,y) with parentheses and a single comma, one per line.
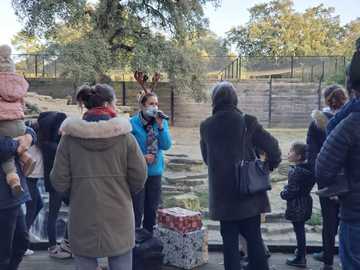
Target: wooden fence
(276,103)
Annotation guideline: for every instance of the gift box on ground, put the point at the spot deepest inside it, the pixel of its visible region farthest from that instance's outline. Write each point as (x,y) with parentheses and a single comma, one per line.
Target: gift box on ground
(179,219)
(184,250)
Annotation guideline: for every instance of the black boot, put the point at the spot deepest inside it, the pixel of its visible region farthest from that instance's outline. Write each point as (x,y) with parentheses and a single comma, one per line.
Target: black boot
(297,261)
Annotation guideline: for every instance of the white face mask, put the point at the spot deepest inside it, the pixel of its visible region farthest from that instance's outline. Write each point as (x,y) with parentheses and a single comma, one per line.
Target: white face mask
(151,111)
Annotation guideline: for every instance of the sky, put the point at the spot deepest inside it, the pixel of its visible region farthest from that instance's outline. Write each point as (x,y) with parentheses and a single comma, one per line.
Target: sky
(231,13)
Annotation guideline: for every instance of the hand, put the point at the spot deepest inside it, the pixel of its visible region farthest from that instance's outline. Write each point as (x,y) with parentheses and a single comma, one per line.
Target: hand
(334,198)
(159,121)
(150,158)
(25,142)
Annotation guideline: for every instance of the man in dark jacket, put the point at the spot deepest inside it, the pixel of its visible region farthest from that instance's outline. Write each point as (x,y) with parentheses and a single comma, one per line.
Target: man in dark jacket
(221,147)
(341,150)
(14,239)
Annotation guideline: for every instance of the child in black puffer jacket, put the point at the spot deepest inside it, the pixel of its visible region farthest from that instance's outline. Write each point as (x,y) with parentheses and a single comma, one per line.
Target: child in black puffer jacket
(299,202)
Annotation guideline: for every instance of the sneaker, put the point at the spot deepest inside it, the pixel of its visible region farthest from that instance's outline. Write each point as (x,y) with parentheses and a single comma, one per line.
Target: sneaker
(318,256)
(65,246)
(297,262)
(29,252)
(58,253)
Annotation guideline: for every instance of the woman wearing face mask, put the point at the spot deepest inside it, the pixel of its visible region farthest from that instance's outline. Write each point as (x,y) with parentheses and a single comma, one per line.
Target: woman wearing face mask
(152,133)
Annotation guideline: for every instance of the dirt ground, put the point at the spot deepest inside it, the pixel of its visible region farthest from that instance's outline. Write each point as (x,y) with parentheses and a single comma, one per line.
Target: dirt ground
(186,140)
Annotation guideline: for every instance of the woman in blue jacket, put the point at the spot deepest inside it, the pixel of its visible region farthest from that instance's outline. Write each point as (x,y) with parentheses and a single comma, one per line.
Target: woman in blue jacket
(152,133)
(14,238)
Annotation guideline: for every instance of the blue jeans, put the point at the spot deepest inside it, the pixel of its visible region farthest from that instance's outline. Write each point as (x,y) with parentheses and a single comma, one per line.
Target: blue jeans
(121,262)
(349,246)
(14,238)
(34,206)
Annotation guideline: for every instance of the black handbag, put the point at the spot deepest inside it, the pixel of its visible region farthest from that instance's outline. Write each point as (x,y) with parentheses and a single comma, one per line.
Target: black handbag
(252,176)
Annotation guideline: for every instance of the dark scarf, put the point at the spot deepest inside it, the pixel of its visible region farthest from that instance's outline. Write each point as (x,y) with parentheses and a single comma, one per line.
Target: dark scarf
(151,140)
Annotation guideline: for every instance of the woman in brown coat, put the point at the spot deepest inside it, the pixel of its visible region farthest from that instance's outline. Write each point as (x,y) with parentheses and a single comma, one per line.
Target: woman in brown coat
(99,162)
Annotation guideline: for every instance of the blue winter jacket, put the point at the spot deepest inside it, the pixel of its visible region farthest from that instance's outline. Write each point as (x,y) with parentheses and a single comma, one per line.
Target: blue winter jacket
(8,148)
(164,140)
(341,150)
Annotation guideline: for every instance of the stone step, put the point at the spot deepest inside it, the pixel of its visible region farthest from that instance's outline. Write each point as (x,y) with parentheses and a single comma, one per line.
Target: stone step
(188,182)
(177,155)
(170,188)
(288,239)
(186,161)
(272,229)
(276,217)
(183,167)
(171,177)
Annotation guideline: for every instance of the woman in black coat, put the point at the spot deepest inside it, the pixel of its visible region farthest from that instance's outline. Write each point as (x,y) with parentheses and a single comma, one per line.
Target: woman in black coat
(221,147)
(49,138)
(335,98)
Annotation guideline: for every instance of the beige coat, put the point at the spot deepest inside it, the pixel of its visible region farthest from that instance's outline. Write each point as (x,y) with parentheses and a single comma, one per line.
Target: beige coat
(101,164)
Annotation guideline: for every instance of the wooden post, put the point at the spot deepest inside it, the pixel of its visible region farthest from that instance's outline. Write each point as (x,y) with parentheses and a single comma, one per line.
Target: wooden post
(237,68)
(43,66)
(336,65)
(123,93)
(319,90)
(55,67)
(270,101)
(292,67)
(172,106)
(36,65)
(240,64)
(232,70)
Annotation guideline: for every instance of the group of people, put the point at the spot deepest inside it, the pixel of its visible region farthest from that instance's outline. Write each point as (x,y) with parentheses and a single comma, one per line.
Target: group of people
(330,157)
(108,170)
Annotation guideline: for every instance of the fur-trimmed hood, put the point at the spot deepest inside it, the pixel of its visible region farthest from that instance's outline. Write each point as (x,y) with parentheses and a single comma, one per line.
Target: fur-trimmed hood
(321,118)
(96,136)
(79,128)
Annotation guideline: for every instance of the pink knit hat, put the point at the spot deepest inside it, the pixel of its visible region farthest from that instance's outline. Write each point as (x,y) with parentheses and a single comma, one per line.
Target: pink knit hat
(6,63)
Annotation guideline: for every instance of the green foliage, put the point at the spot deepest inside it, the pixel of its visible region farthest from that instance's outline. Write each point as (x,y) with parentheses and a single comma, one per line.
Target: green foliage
(92,39)
(276,29)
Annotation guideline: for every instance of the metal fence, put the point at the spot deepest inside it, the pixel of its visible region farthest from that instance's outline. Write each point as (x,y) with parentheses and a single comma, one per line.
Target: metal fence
(216,67)
(37,65)
(305,68)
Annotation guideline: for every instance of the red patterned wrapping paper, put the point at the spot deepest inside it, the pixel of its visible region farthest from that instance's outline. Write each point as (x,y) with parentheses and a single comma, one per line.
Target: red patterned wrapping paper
(179,219)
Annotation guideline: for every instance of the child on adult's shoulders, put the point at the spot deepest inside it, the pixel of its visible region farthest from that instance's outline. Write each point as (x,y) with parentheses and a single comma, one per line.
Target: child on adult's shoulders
(298,199)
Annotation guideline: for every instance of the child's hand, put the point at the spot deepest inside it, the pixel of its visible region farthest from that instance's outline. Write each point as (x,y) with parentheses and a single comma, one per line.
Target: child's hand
(24,143)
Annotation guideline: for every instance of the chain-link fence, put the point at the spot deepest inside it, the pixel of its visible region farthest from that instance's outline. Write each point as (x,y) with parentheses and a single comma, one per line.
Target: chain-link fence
(305,68)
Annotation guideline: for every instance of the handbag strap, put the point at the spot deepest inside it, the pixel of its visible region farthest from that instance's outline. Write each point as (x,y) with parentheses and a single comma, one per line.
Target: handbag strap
(244,142)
